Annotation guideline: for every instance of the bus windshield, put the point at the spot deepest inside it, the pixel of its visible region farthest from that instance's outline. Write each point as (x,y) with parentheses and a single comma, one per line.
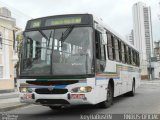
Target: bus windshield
(63,51)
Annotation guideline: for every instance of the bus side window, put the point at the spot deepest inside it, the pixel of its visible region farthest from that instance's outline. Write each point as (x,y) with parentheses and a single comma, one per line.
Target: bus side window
(122,51)
(116,49)
(110,47)
(133,56)
(138,59)
(100,52)
(100,48)
(129,55)
(103,53)
(98,45)
(113,48)
(125,54)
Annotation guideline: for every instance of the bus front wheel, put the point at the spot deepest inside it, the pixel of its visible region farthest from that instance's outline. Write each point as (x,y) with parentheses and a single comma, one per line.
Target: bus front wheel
(108,102)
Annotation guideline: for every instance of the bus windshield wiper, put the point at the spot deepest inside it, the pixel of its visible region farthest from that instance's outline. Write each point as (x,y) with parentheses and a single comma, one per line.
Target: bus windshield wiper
(44,35)
(66,33)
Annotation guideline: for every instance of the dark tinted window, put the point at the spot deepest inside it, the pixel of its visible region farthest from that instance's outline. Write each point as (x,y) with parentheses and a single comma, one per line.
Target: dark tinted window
(109,47)
(98,44)
(116,43)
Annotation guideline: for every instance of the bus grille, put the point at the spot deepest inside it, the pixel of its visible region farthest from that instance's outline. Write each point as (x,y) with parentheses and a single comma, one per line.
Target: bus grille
(53,91)
(52,101)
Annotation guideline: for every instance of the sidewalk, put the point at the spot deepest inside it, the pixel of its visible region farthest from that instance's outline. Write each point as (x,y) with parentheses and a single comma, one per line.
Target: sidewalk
(9,101)
(155,82)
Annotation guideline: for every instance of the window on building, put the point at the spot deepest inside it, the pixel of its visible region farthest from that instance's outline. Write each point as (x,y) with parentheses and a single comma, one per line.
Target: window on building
(1,71)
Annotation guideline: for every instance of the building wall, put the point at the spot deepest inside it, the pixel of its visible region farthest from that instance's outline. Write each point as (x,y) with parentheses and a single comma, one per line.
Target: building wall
(156,72)
(157,50)
(7,25)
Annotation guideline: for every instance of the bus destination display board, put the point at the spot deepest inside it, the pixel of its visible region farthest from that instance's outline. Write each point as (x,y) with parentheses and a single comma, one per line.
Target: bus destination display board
(35,23)
(60,21)
(63,21)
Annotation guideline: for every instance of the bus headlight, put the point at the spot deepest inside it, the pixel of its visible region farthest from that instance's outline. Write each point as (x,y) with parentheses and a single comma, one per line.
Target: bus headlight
(83,89)
(25,90)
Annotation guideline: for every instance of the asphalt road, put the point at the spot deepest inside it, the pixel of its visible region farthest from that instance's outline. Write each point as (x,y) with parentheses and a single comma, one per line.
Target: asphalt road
(146,100)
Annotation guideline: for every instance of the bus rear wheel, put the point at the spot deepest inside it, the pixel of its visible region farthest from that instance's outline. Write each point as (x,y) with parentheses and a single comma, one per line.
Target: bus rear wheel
(132,93)
(109,101)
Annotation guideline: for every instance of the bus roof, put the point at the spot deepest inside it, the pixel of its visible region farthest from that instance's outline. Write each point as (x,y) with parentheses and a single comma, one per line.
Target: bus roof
(60,20)
(99,21)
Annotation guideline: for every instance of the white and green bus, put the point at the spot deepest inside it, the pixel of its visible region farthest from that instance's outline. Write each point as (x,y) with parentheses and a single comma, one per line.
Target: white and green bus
(75,59)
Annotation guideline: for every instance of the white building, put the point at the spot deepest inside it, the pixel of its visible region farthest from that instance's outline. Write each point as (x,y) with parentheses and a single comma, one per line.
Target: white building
(143,41)
(7,57)
(156,63)
(155,69)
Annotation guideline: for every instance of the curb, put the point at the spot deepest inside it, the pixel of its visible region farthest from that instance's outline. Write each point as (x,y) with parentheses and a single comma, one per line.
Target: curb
(8,108)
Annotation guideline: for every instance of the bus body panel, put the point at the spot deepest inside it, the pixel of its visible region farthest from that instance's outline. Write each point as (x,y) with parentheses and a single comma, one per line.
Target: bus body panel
(97,95)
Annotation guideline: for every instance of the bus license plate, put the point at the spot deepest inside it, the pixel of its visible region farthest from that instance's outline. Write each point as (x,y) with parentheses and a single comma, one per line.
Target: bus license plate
(27,96)
(77,96)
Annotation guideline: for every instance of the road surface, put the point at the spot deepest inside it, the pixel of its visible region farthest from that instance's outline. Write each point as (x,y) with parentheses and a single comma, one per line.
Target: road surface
(146,100)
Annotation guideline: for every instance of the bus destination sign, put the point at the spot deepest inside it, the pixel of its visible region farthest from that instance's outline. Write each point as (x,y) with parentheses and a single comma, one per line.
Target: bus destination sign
(59,21)
(35,23)
(63,21)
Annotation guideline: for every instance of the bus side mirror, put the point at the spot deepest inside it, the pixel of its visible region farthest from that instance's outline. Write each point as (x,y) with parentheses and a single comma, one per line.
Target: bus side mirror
(104,39)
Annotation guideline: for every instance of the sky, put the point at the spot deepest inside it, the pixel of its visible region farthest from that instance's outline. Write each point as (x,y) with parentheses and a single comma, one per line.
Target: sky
(115,13)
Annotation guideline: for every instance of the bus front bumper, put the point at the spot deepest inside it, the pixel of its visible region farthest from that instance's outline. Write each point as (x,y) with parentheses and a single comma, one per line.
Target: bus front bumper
(57,99)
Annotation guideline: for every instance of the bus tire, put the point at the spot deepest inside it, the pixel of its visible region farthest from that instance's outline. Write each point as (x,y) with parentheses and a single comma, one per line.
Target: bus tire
(132,92)
(55,107)
(109,101)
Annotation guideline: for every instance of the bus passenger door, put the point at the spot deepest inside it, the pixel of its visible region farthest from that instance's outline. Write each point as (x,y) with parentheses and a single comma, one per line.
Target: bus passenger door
(100,52)
(101,82)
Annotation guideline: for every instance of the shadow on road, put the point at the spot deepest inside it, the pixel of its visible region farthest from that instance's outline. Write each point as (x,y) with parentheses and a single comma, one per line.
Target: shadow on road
(80,109)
